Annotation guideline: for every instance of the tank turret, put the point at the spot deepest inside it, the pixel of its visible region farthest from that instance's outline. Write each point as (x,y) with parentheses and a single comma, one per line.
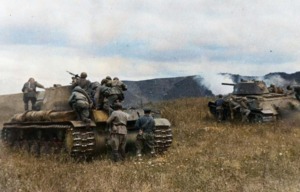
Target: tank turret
(252,87)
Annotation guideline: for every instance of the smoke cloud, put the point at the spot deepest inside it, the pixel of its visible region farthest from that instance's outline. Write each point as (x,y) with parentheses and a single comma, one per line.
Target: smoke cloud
(213,82)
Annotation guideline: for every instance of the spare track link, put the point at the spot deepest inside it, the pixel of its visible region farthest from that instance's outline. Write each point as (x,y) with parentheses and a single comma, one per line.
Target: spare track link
(163,138)
(78,143)
(81,143)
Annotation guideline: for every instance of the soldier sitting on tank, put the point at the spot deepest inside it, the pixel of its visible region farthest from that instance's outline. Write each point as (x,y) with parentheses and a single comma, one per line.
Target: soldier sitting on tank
(272,89)
(81,103)
(219,107)
(290,90)
(119,85)
(94,86)
(82,82)
(105,97)
(29,93)
(118,132)
(146,126)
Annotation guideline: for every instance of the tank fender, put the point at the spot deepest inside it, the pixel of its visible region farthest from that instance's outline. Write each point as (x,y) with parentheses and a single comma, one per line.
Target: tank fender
(82,124)
(162,122)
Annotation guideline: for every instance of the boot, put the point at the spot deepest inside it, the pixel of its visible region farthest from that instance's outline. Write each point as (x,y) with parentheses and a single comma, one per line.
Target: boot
(123,155)
(138,153)
(115,155)
(26,106)
(153,152)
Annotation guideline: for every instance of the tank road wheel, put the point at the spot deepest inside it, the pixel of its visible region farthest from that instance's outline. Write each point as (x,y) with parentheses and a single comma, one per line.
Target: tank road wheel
(80,143)
(162,135)
(258,119)
(8,137)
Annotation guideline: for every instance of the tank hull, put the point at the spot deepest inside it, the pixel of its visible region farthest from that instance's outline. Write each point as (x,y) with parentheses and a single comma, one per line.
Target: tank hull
(54,130)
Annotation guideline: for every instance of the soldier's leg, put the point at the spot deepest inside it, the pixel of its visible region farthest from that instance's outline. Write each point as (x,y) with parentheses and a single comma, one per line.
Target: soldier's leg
(85,115)
(75,108)
(122,146)
(25,99)
(111,100)
(139,144)
(149,139)
(33,101)
(114,143)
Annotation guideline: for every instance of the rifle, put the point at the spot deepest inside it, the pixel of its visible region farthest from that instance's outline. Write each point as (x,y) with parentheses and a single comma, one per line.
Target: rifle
(75,75)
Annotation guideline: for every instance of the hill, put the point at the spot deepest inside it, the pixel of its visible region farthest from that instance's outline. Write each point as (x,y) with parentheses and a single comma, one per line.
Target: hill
(146,91)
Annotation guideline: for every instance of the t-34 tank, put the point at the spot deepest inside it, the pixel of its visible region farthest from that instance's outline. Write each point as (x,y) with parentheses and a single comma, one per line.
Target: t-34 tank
(53,129)
(265,103)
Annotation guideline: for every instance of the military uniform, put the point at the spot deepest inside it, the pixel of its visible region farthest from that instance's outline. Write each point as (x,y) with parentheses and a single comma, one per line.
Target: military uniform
(146,125)
(118,133)
(29,90)
(219,107)
(83,83)
(244,109)
(120,86)
(81,103)
(232,106)
(105,97)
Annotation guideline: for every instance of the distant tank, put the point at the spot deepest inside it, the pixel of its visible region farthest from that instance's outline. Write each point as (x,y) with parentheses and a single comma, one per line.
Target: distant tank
(266,103)
(53,128)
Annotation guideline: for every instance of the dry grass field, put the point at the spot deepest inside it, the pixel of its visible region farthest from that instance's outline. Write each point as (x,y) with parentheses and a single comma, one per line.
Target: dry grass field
(205,156)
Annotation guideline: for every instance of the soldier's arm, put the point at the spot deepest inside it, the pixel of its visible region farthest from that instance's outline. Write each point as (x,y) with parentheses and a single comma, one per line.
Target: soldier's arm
(39,85)
(111,118)
(124,87)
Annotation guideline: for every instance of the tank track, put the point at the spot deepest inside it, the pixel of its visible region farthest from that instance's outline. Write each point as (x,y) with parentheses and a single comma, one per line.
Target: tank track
(78,143)
(163,138)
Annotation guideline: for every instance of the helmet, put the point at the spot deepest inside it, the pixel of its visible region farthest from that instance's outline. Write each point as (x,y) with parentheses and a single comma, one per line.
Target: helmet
(83,75)
(146,110)
(116,78)
(108,78)
(95,85)
(103,81)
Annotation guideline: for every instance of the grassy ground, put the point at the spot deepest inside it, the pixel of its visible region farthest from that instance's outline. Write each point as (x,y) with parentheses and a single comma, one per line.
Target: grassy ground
(205,156)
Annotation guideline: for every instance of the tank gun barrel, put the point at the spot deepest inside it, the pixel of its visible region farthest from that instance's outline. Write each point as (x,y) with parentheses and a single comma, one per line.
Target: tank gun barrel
(231,84)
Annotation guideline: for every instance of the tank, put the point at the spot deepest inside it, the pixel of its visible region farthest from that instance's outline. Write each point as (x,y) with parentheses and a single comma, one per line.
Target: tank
(52,129)
(266,103)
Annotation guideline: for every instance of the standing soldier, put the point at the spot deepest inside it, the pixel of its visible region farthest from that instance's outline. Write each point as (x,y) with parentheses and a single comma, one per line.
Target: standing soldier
(83,82)
(29,90)
(146,126)
(118,132)
(81,102)
(219,107)
(233,105)
(244,108)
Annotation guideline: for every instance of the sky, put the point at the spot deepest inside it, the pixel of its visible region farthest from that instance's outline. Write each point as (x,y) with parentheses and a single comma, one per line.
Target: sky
(139,40)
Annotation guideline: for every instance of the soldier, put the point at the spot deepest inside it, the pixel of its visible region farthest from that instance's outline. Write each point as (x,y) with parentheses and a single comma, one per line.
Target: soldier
(118,132)
(119,85)
(272,89)
(106,82)
(233,105)
(146,126)
(83,82)
(219,107)
(244,109)
(105,97)
(29,92)
(81,102)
